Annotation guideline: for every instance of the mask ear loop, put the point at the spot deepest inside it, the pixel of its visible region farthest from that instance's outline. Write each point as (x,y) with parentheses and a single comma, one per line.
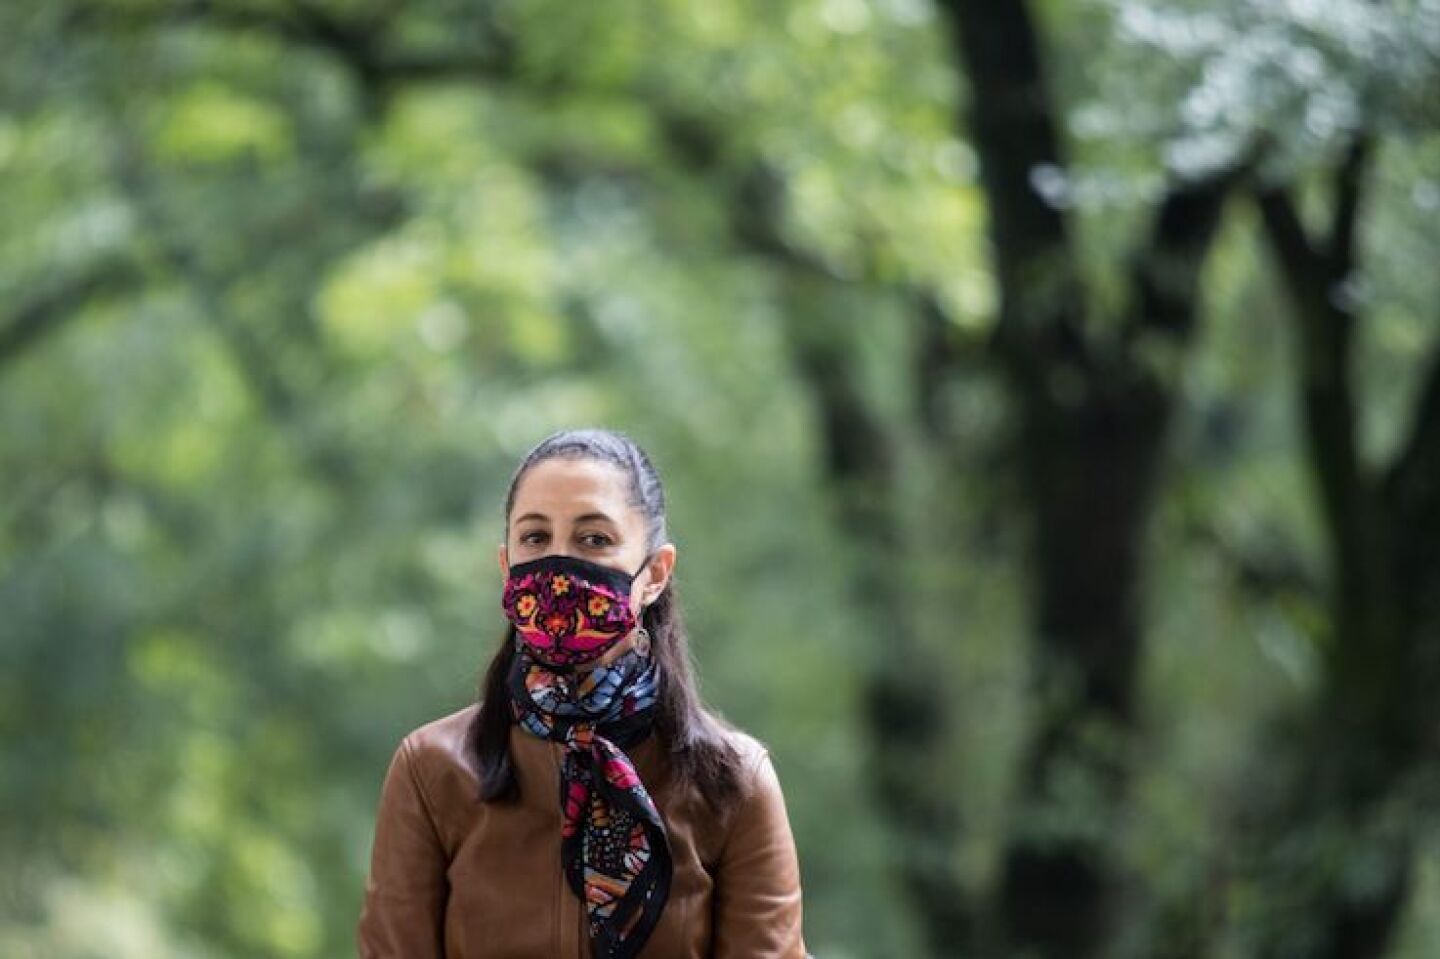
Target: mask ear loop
(641,643)
(636,575)
(644,563)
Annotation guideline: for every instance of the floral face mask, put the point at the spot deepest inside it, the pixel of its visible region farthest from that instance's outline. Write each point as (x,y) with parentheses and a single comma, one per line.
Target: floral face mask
(568,611)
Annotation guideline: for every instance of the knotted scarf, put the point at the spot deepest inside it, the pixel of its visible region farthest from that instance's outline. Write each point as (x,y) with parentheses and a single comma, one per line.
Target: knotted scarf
(613,848)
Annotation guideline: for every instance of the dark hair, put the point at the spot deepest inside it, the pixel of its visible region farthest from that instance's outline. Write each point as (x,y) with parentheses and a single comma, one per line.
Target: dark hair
(693,736)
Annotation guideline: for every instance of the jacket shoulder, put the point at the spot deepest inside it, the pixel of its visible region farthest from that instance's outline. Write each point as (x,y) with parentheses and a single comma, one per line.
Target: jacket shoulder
(443,745)
(750,749)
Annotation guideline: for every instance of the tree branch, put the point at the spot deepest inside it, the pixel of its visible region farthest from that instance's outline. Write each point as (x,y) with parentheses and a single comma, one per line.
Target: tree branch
(1349,183)
(1325,325)
(1165,272)
(1014,129)
(358,43)
(1300,260)
(45,313)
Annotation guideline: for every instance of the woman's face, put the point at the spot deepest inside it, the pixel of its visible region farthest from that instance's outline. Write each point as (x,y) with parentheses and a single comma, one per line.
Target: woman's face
(578,507)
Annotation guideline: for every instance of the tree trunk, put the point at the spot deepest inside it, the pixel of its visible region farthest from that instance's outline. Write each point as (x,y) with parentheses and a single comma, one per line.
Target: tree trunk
(1093,412)
(1338,837)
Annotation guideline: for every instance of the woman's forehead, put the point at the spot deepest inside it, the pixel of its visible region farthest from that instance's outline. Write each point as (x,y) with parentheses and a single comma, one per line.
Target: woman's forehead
(564,488)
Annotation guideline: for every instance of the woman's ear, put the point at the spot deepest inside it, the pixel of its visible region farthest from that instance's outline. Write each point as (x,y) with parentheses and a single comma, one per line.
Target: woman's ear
(504,561)
(662,564)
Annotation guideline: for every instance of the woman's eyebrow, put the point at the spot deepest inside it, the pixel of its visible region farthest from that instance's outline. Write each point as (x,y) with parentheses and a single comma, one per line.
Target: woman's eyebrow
(589,516)
(585,517)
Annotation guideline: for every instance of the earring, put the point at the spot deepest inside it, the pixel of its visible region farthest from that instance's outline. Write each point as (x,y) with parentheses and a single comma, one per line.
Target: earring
(642,640)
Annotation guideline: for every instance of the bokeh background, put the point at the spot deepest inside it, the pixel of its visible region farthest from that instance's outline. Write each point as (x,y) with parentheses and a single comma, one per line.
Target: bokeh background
(1046,393)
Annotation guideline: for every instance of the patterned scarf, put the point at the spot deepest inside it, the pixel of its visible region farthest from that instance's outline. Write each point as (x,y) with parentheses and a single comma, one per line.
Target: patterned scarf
(614,847)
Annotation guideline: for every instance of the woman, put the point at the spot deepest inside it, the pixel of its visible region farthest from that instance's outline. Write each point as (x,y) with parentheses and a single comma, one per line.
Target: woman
(588,805)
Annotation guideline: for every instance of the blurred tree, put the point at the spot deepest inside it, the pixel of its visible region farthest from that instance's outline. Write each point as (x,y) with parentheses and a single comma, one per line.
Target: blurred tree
(1333,831)
(1095,398)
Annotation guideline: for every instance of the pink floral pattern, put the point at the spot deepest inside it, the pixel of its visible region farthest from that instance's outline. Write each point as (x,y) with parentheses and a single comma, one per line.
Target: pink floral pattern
(566,610)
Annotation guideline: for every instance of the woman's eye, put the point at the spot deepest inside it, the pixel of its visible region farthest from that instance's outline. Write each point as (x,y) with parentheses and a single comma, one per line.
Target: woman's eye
(596,540)
(531,537)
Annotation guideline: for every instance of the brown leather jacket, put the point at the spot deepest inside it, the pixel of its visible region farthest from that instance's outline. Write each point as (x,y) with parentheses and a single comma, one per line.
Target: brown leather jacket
(456,878)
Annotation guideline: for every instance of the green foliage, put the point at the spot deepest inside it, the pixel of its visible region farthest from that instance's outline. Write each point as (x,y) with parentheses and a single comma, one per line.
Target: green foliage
(303,297)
